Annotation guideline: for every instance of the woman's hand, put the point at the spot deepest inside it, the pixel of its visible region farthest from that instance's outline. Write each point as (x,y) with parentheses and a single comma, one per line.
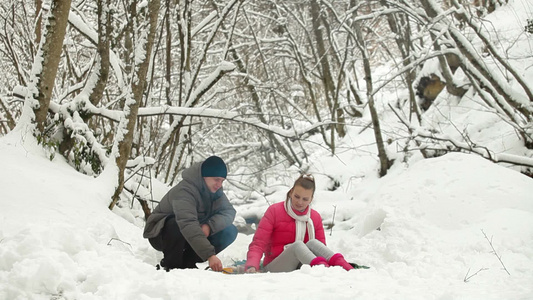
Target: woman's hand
(251,270)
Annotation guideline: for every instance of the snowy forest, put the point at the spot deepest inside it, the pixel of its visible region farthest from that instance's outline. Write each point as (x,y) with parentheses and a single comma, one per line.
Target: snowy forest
(414,116)
(145,88)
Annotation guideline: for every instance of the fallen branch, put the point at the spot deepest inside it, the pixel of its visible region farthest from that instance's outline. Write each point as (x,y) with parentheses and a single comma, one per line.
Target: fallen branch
(494,251)
(109,243)
(453,145)
(468,277)
(480,150)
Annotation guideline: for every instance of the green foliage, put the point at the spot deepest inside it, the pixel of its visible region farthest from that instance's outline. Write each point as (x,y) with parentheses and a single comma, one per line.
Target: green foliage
(49,145)
(83,155)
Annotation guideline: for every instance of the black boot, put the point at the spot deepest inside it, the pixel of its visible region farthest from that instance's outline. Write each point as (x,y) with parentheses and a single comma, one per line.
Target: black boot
(161,264)
(190,258)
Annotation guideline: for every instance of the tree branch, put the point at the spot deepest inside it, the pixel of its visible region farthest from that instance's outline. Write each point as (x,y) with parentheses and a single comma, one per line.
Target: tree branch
(468,277)
(494,251)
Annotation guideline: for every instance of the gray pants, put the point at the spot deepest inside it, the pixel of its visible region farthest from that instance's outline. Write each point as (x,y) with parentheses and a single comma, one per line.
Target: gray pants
(297,254)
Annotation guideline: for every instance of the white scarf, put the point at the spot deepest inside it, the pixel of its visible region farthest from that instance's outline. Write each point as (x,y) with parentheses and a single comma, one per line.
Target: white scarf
(300,222)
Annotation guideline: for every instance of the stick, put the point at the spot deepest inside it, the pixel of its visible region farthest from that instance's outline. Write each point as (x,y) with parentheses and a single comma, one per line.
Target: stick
(468,277)
(333,220)
(494,251)
(109,243)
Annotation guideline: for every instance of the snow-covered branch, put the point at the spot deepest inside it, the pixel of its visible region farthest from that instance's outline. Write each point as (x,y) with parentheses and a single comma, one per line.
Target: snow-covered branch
(205,112)
(424,56)
(194,94)
(79,24)
(229,116)
(473,148)
(212,79)
(466,17)
(447,143)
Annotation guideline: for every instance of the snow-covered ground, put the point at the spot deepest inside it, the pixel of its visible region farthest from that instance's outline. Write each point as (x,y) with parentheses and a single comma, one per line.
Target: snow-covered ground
(427,230)
(419,229)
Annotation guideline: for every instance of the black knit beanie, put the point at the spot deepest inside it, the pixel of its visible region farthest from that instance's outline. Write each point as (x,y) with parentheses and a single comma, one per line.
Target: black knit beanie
(214,166)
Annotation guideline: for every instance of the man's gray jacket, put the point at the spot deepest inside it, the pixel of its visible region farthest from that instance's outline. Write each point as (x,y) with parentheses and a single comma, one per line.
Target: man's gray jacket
(192,204)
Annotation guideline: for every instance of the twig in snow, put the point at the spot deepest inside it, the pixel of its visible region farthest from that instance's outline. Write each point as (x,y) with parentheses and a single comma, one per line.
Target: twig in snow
(494,251)
(468,277)
(333,220)
(109,243)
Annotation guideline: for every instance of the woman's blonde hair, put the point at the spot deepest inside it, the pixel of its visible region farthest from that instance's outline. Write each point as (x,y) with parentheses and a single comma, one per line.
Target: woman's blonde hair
(307,181)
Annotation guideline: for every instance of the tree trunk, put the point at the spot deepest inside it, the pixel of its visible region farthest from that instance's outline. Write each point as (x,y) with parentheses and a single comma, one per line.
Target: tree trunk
(127,125)
(48,60)
(177,149)
(399,25)
(38,19)
(97,83)
(326,76)
(104,34)
(168,57)
(384,161)
(451,87)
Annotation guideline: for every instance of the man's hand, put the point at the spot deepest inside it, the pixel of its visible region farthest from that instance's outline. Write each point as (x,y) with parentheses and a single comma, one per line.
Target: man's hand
(206,229)
(214,263)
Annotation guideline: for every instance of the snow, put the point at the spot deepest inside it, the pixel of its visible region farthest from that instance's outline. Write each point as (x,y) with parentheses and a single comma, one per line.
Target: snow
(427,230)
(420,229)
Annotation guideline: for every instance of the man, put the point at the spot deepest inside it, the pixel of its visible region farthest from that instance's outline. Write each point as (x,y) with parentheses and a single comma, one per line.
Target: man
(194,220)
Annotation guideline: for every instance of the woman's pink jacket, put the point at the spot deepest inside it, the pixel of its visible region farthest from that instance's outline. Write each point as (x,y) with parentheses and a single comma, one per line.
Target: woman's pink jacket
(277,229)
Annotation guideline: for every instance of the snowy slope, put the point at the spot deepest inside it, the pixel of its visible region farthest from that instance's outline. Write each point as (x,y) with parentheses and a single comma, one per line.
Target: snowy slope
(59,242)
(421,229)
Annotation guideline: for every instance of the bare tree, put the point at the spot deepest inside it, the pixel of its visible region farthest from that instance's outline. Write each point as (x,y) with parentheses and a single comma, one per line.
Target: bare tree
(384,160)
(8,124)
(248,80)
(399,25)
(190,88)
(97,81)
(45,66)
(323,57)
(252,86)
(497,93)
(143,47)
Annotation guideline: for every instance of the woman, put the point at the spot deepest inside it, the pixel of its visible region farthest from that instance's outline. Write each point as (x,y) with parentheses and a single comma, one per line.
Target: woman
(291,234)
